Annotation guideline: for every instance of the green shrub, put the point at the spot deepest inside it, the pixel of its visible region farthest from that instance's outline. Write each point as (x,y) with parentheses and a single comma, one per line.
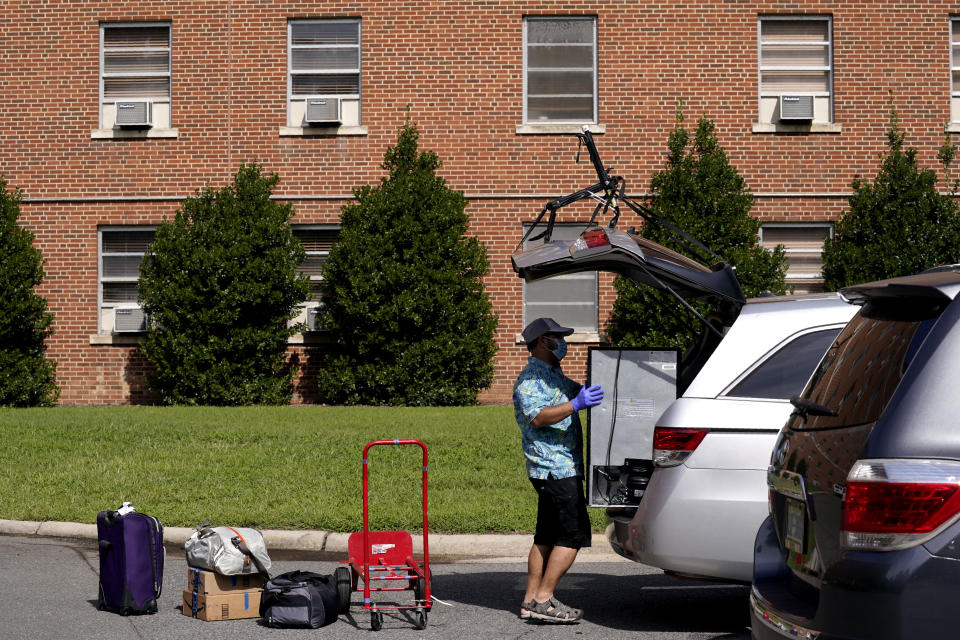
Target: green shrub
(26,376)
(403,298)
(220,282)
(899,225)
(702,194)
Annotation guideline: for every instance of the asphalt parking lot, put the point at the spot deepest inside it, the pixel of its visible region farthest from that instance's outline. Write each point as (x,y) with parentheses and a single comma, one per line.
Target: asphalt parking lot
(50,591)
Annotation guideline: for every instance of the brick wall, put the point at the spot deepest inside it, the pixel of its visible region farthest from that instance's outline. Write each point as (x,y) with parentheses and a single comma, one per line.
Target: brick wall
(459,67)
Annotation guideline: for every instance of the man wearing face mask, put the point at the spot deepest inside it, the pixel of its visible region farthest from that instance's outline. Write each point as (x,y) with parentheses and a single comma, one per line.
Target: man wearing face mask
(546,405)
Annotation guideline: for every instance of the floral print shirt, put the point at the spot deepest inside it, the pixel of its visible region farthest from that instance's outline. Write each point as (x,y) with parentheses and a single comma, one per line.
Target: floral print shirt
(556,449)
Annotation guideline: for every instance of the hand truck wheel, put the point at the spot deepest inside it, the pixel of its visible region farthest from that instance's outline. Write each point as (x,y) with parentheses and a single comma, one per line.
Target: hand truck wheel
(421,622)
(344,587)
(420,587)
(376,620)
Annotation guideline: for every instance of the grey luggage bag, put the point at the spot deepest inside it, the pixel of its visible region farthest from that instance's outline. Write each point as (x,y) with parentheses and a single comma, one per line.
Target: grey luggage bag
(227,550)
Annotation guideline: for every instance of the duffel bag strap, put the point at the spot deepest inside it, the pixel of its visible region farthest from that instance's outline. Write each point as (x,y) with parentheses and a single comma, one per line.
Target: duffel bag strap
(241,545)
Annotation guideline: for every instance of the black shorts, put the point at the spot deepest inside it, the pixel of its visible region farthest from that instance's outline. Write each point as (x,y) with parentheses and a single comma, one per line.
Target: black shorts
(562,519)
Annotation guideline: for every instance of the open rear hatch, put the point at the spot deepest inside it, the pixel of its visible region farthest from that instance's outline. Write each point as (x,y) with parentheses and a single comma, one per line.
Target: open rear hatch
(630,255)
(648,263)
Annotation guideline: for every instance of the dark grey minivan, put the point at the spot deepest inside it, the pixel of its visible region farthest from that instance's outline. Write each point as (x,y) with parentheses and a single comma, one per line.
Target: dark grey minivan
(863,538)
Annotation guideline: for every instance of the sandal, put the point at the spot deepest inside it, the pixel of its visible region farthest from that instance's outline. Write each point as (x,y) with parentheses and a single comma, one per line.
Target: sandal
(555,612)
(526,608)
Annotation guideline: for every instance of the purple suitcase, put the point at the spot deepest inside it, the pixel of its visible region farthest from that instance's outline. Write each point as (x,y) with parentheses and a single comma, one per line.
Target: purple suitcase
(131,561)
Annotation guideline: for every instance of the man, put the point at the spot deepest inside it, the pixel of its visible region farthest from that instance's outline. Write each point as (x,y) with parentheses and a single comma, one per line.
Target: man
(546,403)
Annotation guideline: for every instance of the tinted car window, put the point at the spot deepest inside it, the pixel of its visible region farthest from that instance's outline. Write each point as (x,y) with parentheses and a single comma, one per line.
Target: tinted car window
(784,373)
(861,370)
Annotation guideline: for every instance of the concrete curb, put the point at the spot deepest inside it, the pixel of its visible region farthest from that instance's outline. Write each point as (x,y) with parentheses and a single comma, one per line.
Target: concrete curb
(19,527)
(453,546)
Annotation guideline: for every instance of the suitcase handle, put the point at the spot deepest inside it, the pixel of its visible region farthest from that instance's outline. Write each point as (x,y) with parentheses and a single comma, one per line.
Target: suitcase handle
(105,545)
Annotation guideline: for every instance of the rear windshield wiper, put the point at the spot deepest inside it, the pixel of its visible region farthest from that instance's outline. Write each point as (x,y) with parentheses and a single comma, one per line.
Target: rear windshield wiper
(807,407)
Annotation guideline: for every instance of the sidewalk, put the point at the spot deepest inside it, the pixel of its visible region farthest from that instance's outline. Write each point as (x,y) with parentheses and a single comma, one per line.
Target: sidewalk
(443,547)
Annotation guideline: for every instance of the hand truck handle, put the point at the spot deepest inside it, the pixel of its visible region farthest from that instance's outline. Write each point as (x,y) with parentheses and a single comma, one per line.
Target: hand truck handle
(390,442)
(366,516)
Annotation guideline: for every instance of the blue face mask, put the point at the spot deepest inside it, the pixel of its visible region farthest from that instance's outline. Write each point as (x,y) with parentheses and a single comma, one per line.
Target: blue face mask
(560,350)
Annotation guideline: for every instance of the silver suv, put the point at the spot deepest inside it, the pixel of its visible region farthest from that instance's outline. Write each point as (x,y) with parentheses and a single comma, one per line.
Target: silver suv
(711,447)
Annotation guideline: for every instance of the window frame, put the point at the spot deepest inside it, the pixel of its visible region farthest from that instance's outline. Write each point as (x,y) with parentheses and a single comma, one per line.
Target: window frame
(595,70)
(330,227)
(101,305)
(829,226)
(582,276)
(101,280)
(829,67)
(954,67)
(148,74)
(339,71)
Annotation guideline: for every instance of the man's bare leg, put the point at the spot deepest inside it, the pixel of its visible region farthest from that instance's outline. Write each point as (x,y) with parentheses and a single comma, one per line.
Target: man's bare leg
(560,560)
(536,565)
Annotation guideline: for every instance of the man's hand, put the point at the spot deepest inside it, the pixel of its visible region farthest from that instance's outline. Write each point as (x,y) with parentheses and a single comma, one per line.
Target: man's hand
(588,397)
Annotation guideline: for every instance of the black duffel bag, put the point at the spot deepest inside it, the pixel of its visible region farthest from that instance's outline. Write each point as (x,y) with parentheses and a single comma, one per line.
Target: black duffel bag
(300,599)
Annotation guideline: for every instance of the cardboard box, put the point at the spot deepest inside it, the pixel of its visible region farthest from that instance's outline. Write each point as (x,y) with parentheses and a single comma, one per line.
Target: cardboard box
(235,605)
(209,582)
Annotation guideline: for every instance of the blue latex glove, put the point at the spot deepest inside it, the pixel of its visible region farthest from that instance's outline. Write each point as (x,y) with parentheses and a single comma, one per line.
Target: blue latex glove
(588,397)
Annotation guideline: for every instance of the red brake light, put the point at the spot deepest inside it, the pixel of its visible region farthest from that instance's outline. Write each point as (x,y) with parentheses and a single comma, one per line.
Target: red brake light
(898,507)
(671,446)
(894,504)
(671,439)
(596,238)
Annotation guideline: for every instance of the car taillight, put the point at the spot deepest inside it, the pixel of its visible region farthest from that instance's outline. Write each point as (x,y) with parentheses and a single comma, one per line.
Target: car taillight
(895,504)
(671,446)
(592,239)
(596,238)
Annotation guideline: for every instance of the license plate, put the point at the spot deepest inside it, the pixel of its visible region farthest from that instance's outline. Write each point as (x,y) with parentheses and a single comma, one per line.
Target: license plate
(793,534)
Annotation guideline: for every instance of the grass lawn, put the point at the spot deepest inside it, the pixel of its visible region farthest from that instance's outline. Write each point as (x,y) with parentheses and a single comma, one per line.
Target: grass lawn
(268,467)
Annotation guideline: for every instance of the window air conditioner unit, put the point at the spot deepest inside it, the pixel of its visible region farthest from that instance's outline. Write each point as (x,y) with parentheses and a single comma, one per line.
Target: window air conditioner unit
(134,114)
(796,107)
(129,319)
(313,319)
(322,111)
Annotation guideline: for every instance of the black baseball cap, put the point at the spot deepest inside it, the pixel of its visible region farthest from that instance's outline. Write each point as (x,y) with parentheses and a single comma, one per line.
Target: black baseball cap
(541,326)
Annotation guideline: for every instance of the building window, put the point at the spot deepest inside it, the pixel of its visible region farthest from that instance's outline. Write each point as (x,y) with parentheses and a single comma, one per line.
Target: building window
(955,69)
(803,244)
(135,76)
(317,240)
(569,299)
(323,73)
(560,69)
(796,69)
(121,250)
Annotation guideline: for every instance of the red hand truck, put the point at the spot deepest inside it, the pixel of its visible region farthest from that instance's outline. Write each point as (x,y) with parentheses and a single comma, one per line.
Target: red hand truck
(389,553)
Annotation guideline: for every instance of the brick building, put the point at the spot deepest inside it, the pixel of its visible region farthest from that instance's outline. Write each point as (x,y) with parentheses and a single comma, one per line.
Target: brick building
(112,113)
